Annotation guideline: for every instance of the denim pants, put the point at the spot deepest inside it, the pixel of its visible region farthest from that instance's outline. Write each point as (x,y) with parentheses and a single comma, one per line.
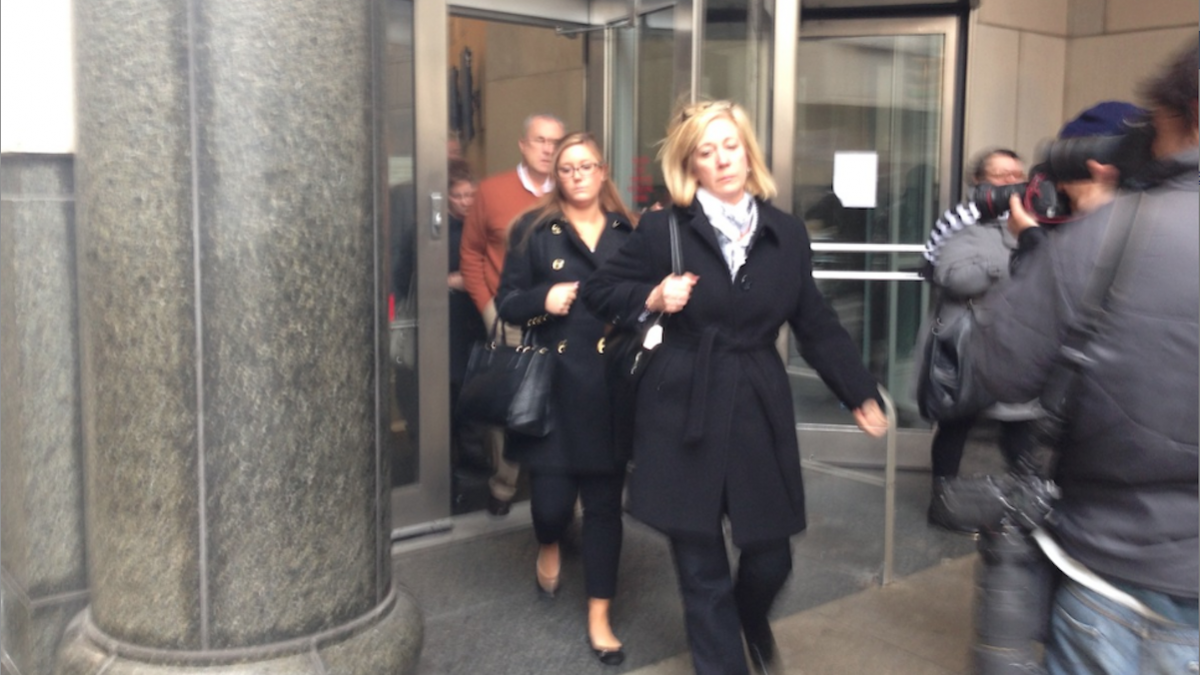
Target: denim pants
(1092,635)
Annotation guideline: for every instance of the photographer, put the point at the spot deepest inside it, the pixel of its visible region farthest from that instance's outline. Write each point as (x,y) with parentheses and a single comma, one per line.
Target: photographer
(1127,462)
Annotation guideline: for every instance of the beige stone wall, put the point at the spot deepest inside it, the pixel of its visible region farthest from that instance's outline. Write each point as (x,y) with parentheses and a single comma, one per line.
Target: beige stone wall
(518,70)
(1033,64)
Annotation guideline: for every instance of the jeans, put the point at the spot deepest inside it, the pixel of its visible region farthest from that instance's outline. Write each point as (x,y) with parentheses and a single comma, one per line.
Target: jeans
(1092,635)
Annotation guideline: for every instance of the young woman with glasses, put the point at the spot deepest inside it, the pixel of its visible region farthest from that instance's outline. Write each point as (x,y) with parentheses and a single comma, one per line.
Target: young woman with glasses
(553,247)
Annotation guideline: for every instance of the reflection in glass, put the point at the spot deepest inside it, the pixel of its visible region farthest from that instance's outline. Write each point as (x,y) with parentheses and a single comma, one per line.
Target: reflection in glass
(402,413)
(878,94)
(655,84)
(737,58)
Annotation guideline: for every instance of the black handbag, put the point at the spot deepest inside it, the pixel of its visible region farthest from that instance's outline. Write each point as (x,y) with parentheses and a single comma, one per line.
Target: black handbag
(509,386)
(949,389)
(626,356)
(1058,394)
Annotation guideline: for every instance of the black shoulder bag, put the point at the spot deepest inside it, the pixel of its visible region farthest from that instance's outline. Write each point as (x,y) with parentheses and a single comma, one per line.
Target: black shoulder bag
(626,356)
(949,389)
(1059,393)
(509,386)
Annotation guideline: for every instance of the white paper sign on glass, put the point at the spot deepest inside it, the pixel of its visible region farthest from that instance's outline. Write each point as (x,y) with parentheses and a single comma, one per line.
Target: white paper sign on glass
(855,175)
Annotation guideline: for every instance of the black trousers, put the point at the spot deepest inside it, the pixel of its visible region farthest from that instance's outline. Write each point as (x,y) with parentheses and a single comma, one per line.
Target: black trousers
(552,504)
(717,608)
(946,451)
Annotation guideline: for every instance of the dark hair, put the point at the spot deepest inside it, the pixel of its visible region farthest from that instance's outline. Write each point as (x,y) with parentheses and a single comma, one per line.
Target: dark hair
(459,171)
(979,164)
(1174,87)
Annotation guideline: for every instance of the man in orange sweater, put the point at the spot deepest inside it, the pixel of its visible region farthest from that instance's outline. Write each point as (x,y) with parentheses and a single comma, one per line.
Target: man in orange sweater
(498,201)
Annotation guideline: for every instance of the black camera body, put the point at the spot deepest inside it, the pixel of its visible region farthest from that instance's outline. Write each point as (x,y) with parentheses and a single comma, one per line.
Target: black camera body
(987,502)
(1065,160)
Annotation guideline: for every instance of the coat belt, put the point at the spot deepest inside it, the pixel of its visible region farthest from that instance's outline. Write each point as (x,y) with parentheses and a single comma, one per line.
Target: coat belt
(709,340)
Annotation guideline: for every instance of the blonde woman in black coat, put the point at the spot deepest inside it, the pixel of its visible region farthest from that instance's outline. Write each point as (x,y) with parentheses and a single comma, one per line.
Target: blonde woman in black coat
(552,248)
(714,435)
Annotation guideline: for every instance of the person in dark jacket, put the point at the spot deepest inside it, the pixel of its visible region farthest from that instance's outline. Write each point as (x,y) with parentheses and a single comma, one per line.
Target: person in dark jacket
(467,438)
(967,255)
(560,242)
(714,434)
(1127,463)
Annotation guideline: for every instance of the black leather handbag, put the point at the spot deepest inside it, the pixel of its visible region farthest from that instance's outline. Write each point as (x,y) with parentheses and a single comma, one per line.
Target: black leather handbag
(509,386)
(626,356)
(949,389)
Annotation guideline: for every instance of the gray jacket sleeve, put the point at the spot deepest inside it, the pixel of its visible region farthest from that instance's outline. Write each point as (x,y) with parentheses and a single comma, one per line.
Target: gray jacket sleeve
(971,261)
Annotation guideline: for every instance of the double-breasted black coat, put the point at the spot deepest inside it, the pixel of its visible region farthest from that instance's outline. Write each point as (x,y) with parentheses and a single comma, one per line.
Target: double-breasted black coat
(714,431)
(540,255)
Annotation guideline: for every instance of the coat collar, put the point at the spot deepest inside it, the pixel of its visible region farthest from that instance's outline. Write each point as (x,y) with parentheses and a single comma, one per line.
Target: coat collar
(613,220)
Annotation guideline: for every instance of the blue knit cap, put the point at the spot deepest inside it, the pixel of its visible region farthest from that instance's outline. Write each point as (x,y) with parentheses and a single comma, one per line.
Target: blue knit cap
(1110,118)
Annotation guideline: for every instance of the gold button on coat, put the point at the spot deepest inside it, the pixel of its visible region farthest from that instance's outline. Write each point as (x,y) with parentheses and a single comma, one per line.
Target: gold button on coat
(562,346)
(600,346)
(556,228)
(558,263)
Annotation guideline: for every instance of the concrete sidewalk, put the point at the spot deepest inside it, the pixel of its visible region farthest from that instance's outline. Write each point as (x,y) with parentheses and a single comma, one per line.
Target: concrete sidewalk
(919,625)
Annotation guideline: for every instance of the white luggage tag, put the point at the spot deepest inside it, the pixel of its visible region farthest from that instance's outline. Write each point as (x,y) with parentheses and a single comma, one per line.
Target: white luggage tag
(653,336)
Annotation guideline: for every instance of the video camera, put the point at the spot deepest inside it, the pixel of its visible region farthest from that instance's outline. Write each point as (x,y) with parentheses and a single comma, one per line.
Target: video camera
(1014,582)
(1066,160)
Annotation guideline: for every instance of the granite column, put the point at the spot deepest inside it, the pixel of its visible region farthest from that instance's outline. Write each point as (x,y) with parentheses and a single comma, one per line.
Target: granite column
(236,490)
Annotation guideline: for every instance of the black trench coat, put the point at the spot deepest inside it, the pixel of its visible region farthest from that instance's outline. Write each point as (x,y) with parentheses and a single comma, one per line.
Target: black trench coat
(582,438)
(715,431)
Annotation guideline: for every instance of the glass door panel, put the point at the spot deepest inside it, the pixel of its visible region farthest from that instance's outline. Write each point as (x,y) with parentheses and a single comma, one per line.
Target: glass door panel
(871,163)
(736,57)
(402,413)
(656,69)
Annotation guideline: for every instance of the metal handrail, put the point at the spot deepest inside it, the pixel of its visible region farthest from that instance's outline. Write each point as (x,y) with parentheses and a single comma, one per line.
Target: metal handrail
(889,491)
(867,276)
(839,247)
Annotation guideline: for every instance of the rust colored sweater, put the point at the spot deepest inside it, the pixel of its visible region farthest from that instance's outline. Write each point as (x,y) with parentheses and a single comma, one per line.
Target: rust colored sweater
(499,200)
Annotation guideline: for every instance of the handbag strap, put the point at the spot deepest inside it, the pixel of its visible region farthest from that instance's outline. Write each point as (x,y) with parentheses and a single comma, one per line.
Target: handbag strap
(676,247)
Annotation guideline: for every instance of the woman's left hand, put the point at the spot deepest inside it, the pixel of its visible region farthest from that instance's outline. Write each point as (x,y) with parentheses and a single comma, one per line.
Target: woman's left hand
(871,419)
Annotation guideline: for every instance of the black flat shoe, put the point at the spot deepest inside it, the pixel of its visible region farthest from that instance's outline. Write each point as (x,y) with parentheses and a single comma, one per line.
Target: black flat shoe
(609,657)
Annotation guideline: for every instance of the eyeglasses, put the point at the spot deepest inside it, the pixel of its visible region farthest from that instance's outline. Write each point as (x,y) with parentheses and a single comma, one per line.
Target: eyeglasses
(585,169)
(1018,176)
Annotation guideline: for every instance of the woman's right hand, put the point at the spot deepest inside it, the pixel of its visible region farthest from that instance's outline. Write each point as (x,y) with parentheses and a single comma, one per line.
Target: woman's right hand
(671,295)
(560,297)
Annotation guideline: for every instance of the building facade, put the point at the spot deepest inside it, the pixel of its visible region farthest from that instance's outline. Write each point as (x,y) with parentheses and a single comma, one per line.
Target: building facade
(200,207)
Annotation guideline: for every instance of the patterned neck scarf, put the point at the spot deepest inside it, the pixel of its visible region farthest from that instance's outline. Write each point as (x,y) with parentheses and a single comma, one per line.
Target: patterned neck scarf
(735,225)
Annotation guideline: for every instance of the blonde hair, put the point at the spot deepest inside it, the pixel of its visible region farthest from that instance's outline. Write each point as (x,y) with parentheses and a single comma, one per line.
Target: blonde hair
(688,124)
(551,204)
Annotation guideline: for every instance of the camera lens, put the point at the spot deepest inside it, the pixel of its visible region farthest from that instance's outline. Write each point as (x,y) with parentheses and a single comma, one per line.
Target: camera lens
(992,200)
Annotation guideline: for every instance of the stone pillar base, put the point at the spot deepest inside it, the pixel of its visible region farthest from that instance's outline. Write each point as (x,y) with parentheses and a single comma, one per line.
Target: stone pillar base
(387,640)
